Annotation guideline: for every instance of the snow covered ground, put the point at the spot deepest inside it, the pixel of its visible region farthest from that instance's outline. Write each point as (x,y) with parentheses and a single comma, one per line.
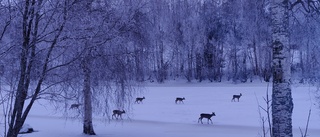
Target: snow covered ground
(159,116)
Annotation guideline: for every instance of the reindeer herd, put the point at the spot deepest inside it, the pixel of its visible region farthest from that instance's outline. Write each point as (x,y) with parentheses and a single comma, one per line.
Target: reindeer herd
(118,113)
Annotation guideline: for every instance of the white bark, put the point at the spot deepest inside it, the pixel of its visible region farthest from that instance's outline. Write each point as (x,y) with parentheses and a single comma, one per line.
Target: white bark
(282,104)
(87,122)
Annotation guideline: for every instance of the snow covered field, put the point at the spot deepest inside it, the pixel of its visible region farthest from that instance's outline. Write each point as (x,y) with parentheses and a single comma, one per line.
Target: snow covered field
(159,116)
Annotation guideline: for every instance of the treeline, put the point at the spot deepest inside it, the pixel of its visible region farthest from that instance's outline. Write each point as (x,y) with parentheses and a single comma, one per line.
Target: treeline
(158,40)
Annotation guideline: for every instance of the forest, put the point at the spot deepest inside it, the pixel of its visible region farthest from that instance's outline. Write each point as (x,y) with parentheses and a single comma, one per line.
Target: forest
(158,40)
(65,49)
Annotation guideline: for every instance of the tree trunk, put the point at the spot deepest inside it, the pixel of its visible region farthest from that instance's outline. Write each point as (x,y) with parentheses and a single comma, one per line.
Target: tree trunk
(234,64)
(199,67)
(210,60)
(219,67)
(87,122)
(244,74)
(256,66)
(303,74)
(282,104)
(26,65)
(188,75)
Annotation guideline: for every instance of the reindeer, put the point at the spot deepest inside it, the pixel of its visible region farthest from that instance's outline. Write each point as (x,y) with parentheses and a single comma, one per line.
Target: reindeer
(180,100)
(139,100)
(236,97)
(73,106)
(208,116)
(117,113)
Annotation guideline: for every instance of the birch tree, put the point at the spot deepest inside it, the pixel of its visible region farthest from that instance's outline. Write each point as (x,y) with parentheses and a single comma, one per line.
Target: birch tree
(282,104)
(216,29)
(32,46)
(107,34)
(87,93)
(83,31)
(6,18)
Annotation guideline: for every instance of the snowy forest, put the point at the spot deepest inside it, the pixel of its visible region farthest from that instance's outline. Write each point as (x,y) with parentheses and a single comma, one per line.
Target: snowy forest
(156,40)
(62,49)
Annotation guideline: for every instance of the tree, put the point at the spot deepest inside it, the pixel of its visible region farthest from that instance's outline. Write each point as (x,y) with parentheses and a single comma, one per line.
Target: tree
(6,17)
(215,21)
(282,104)
(87,93)
(160,20)
(35,54)
(257,35)
(108,35)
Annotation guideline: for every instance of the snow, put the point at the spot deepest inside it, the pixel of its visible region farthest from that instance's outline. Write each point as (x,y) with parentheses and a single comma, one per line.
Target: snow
(159,116)
(26,128)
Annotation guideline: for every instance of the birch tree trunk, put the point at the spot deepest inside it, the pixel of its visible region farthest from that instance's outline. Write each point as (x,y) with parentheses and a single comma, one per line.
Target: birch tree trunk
(31,19)
(282,104)
(87,121)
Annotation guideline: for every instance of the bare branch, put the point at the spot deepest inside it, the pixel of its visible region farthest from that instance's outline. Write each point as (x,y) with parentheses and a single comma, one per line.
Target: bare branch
(309,6)
(304,134)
